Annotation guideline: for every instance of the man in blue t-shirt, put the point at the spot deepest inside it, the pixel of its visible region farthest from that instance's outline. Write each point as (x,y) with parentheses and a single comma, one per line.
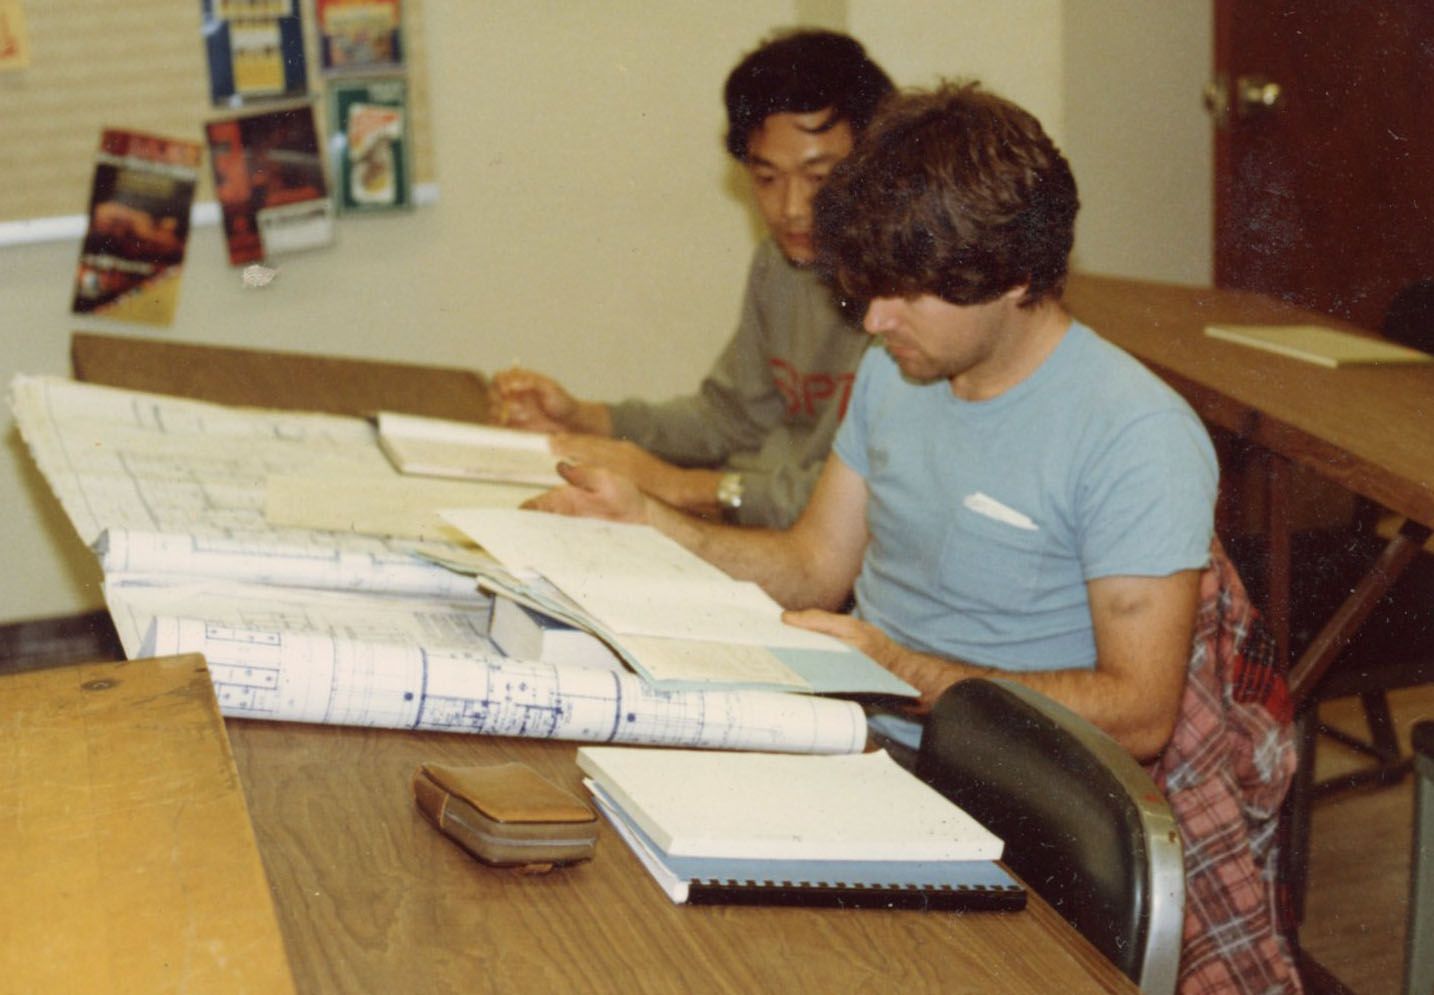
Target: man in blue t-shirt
(1008,493)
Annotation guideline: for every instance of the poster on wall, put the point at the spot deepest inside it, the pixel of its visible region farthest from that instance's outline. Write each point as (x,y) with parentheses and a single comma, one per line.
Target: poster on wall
(368,137)
(133,250)
(359,36)
(269,181)
(14,45)
(255,50)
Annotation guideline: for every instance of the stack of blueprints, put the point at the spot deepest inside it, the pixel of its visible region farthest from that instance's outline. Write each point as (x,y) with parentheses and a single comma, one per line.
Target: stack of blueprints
(337,624)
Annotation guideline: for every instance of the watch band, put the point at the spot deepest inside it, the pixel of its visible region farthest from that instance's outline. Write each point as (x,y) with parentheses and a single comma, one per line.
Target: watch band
(729,491)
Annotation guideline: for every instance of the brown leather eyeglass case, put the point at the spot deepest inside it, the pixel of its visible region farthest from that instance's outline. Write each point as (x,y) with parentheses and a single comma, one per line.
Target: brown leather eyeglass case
(507,815)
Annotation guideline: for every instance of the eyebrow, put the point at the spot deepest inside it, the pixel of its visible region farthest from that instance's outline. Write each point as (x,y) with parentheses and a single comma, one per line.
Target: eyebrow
(815,160)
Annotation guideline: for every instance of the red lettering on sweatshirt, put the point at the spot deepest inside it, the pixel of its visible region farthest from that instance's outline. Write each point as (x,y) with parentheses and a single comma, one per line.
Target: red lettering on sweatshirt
(805,393)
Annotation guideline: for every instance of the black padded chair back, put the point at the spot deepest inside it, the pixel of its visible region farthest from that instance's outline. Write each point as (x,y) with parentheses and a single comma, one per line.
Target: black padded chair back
(1083,824)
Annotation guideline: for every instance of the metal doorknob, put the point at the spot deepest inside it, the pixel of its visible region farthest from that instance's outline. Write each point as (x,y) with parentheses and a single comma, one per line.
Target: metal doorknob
(1256,95)
(1252,95)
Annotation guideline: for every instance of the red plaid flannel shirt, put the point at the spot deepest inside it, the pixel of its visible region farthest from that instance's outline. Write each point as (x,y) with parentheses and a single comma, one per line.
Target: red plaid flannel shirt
(1225,772)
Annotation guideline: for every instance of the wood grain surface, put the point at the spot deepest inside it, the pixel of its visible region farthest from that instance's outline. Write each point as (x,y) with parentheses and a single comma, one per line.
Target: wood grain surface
(128,859)
(372,898)
(269,379)
(1368,428)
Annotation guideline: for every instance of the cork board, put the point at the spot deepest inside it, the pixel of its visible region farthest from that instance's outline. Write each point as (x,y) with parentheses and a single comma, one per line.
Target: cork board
(137,65)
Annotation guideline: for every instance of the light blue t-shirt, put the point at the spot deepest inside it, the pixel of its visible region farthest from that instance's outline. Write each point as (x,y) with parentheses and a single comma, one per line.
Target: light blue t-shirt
(988,518)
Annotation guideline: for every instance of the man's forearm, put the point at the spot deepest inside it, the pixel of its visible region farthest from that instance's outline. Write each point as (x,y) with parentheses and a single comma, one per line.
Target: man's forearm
(593,417)
(768,557)
(692,490)
(1100,698)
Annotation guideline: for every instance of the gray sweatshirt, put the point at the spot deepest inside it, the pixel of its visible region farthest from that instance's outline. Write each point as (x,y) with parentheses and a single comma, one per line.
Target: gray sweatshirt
(772,402)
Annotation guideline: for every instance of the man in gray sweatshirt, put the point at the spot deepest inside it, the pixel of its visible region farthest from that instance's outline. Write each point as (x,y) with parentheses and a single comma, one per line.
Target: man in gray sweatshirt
(751,441)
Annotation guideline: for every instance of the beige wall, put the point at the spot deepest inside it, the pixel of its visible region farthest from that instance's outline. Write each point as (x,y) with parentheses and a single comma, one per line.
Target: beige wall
(1138,138)
(588,222)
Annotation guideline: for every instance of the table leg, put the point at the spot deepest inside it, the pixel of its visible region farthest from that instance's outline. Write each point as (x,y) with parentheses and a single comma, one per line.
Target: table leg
(1277,563)
(1335,635)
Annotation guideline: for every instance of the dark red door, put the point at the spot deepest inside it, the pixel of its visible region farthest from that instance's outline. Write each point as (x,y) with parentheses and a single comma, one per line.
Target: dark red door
(1324,165)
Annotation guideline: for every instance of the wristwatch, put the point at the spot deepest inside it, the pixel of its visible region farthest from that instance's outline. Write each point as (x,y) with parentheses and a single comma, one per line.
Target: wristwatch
(729,491)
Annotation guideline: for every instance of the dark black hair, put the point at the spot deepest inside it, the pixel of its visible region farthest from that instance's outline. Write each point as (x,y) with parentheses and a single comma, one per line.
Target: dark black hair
(798,72)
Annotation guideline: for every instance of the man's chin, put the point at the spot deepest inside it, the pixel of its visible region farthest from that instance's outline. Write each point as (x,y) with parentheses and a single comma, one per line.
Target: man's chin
(799,253)
(913,368)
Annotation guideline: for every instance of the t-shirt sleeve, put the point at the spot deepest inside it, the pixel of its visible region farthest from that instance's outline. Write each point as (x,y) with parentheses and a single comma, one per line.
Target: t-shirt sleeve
(1147,499)
(850,444)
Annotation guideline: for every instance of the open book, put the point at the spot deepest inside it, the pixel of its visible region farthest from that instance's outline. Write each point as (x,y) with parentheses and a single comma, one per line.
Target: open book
(433,447)
(673,617)
(758,828)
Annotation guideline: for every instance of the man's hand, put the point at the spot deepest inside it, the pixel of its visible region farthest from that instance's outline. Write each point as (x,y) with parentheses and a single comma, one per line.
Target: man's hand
(860,635)
(524,399)
(593,492)
(693,490)
(930,675)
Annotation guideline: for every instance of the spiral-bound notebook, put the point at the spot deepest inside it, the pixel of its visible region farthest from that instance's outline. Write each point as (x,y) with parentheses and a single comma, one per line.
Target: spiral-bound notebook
(856,831)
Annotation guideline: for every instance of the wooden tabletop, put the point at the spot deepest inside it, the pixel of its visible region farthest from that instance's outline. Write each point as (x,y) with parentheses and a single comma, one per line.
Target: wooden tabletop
(372,898)
(128,859)
(1369,428)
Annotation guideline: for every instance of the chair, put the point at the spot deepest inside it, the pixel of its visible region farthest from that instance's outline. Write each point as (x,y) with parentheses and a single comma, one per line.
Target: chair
(1084,824)
(1419,943)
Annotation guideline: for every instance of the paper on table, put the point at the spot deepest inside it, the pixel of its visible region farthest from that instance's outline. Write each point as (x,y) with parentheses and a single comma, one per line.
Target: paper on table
(398,506)
(1330,347)
(271,673)
(439,448)
(429,622)
(126,459)
(635,580)
(274,561)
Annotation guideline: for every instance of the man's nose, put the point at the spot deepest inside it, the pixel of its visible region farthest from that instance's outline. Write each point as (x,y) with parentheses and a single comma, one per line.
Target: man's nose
(879,316)
(797,200)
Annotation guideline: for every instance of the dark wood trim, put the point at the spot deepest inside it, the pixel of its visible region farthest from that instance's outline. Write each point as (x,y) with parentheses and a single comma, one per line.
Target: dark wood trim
(63,639)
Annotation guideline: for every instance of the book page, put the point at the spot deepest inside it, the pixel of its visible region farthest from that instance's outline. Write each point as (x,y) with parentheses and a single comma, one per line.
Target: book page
(393,505)
(634,580)
(691,661)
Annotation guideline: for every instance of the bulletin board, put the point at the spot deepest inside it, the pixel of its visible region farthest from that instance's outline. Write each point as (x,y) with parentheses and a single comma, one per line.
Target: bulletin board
(137,65)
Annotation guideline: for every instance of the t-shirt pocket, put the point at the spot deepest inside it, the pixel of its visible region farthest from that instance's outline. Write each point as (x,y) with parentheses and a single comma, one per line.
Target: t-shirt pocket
(992,563)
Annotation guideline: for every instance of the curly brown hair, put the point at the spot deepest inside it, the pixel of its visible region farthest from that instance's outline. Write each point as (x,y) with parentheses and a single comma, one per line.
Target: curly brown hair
(954,192)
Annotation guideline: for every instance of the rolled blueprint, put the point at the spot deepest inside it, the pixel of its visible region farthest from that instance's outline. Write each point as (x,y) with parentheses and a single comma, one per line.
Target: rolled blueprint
(317,677)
